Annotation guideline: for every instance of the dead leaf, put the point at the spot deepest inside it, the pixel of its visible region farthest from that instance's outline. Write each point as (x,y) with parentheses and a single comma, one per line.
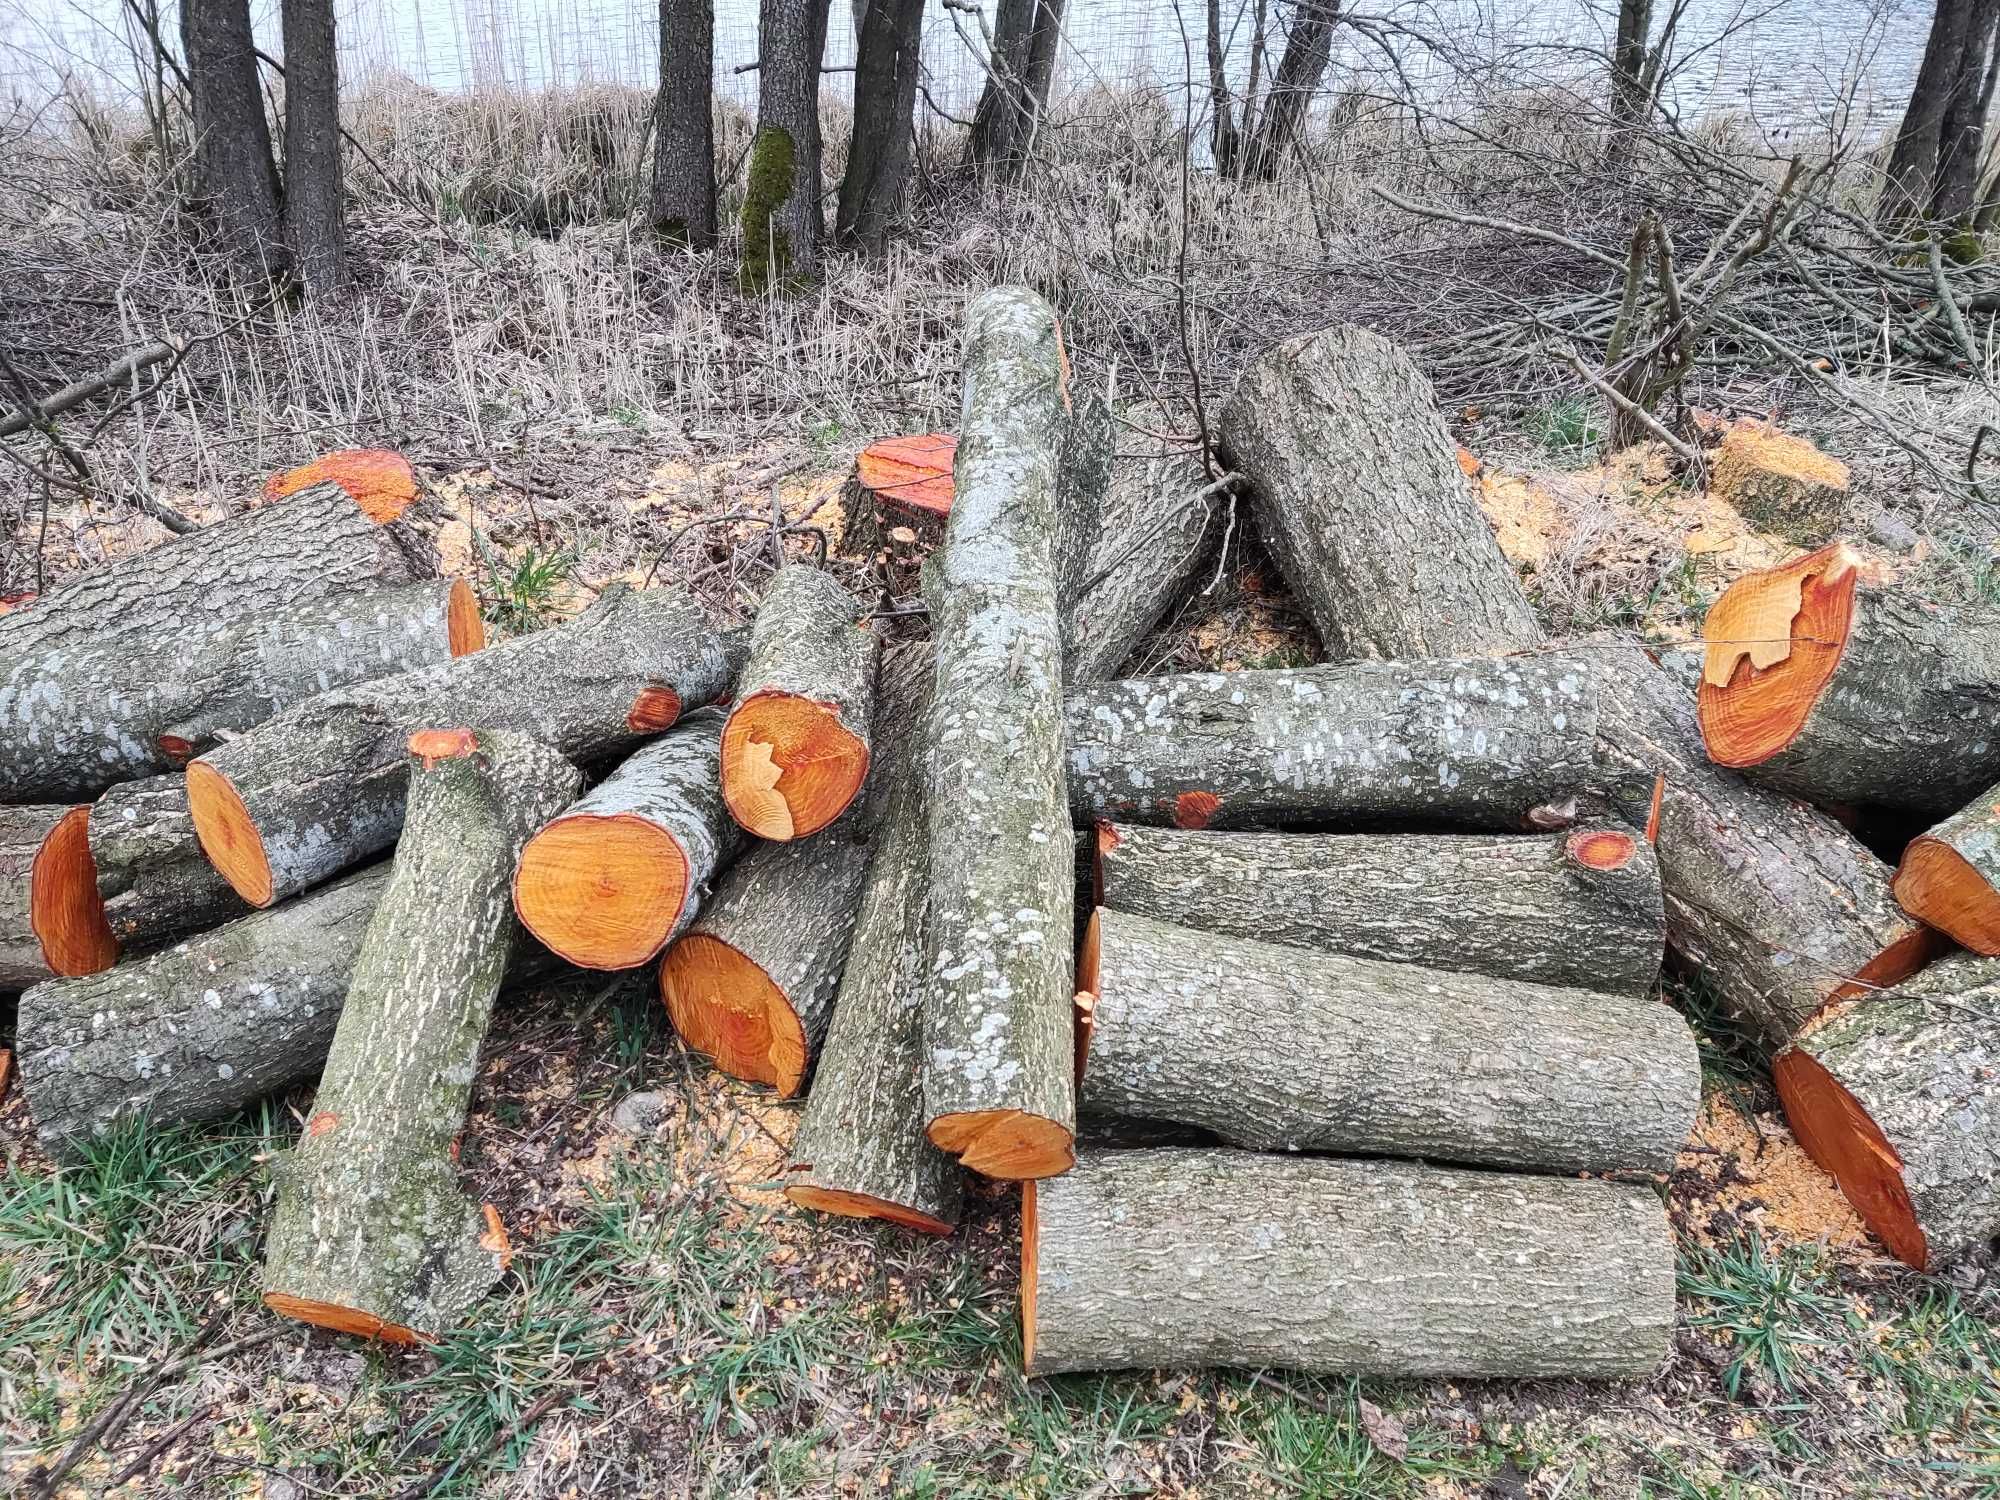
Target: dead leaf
(1384,1431)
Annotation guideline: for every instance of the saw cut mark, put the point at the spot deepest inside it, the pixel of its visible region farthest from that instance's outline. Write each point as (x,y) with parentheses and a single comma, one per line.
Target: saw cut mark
(851,1205)
(789,766)
(727,1007)
(64,910)
(1007,1144)
(381,482)
(1195,809)
(655,709)
(1601,849)
(495,1238)
(433,745)
(465,628)
(604,892)
(914,472)
(1790,626)
(1939,886)
(342,1319)
(1842,1137)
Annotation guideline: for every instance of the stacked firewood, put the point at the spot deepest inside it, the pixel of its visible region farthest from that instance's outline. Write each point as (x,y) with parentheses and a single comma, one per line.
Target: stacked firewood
(1348,988)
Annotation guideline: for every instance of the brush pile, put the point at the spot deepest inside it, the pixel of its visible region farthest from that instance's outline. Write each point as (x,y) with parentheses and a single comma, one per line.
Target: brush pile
(1316,1008)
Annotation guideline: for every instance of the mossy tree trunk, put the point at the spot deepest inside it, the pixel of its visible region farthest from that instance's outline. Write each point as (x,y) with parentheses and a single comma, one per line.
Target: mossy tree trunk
(782,223)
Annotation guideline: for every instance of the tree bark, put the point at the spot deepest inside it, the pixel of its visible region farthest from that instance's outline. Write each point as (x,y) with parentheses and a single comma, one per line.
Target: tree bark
(372,1233)
(782,224)
(998,1083)
(1181,1258)
(795,748)
(320,787)
(888,61)
(79,717)
(1629,101)
(1851,695)
(683,205)
(1950,876)
(1474,743)
(1358,492)
(152,882)
(1914,174)
(1301,68)
(1962,131)
(1581,908)
(49,923)
(234,169)
(313,221)
(1894,1095)
(861,1148)
(619,874)
(1224,143)
(1026,34)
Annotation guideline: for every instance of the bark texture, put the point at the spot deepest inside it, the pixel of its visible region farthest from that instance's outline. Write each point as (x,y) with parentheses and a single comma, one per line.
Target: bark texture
(1026,34)
(1282,1050)
(1475,742)
(782,224)
(1950,876)
(683,204)
(23,830)
(233,164)
(1534,907)
(888,61)
(1359,495)
(1177,1258)
(371,1232)
(1939,122)
(1307,51)
(313,219)
(1085,456)
(152,879)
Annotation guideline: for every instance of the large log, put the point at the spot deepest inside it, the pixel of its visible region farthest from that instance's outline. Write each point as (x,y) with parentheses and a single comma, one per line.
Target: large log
(1846,694)
(320,787)
(1898,1095)
(372,1233)
(1778,906)
(1279,1049)
(1475,742)
(49,920)
(79,717)
(1580,908)
(1950,875)
(1179,1258)
(614,878)
(998,1086)
(1357,492)
(151,878)
(795,749)
(861,1148)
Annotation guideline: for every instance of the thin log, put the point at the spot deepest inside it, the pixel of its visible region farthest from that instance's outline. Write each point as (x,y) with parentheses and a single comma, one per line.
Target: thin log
(151,880)
(119,374)
(1950,876)
(49,922)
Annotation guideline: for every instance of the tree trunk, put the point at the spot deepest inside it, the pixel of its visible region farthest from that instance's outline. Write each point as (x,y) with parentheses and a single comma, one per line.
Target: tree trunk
(1279,1049)
(861,1149)
(1629,99)
(233,167)
(49,922)
(1777,905)
(1849,695)
(1894,1095)
(1476,743)
(795,749)
(887,65)
(80,717)
(1962,131)
(1950,876)
(320,787)
(202,1028)
(146,870)
(1581,908)
(1307,51)
(1224,143)
(313,223)
(1358,493)
(1025,37)
(371,1233)
(615,877)
(1911,179)
(1086,452)
(683,205)
(782,224)
(1182,1258)
(998,1083)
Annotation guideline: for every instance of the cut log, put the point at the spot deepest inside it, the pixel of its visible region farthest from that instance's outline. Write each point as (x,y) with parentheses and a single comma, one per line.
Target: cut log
(1846,694)
(861,1148)
(1474,742)
(998,1085)
(1357,491)
(196,1031)
(795,749)
(50,922)
(380,481)
(1580,908)
(1950,876)
(1084,454)
(617,876)
(1279,1049)
(1898,1096)
(1780,907)
(79,717)
(1180,1258)
(152,880)
(371,1233)
(320,787)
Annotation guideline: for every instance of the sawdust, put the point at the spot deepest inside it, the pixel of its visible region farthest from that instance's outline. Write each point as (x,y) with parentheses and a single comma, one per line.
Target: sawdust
(1751,1171)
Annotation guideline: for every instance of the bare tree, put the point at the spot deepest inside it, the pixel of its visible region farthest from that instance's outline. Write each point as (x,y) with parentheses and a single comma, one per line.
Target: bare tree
(683,207)
(885,98)
(1308,48)
(1932,167)
(313,225)
(1224,142)
(1026,34)
(782,223)
(235,173)
(1628,62)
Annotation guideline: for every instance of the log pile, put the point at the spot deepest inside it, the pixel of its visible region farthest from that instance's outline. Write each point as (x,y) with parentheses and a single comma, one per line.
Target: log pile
(1383,934)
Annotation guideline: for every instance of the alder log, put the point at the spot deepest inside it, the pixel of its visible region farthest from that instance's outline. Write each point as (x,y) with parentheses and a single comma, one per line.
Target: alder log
(1357,491)
(1898,1096)
(998,1083)
(1815,683)
(1178,1258)
(50,923)
(152,881)
(1580,908)
(795,749)
(1476,742)
(371,1233)
(320,787)
(1950,876)
(861,1148)
(1085,453)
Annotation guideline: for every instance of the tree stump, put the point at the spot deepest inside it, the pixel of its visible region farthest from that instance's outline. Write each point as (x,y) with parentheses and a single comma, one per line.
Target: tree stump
(1950,876)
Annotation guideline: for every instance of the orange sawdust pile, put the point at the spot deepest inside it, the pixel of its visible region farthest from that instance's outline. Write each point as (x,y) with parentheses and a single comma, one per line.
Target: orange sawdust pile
(1753,1172)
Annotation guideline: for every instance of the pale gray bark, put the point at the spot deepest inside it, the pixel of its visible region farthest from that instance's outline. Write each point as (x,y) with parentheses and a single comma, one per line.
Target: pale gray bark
(22,830)
(1180,1258)
(1959,865)
(152,878)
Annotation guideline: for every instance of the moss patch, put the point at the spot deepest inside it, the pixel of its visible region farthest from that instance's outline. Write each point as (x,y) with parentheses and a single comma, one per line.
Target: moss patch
(767,249)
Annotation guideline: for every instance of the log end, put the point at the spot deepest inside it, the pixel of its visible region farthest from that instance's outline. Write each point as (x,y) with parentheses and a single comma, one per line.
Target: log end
(1008,1144)
(64,909)
(727,1008)
(1089,960)
(1899,961)
(465,627)
(1774,639)
(1602,849)
(382,483)
(864,1206)
(603,892)
(433,745)
(1841,1136)
(1938,885)
(655,709)
(340,1319)
(228,833)
(789,766)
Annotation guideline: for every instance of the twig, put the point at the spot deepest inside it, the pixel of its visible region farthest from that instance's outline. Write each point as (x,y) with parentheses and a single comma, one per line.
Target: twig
(150,1455)
(120,372)
(1633,410)
(542,1407)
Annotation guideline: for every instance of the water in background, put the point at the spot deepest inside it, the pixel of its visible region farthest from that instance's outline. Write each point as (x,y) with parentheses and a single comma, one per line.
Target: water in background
(1787,63)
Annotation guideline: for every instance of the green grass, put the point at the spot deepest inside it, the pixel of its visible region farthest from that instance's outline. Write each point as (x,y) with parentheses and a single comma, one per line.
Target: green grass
(1567,426)
(522,591)
(1777,1308)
